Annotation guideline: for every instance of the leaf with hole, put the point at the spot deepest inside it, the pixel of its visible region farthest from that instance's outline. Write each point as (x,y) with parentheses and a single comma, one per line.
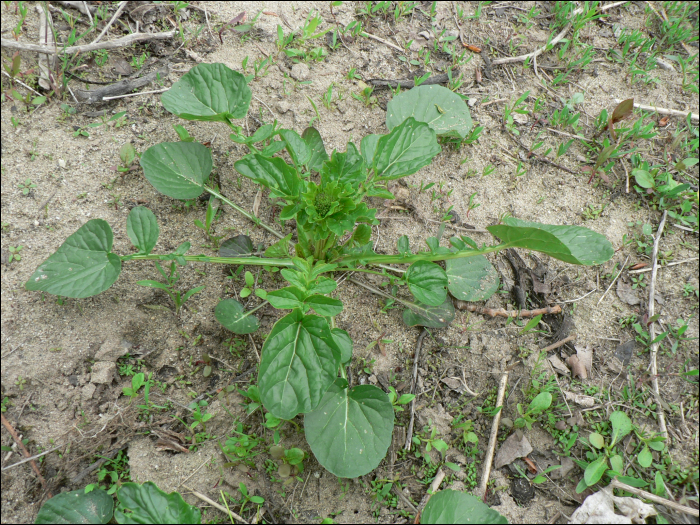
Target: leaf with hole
(299,362)
(77,507)
(233,317)
(209,92)
(451,506)
(471,278)
(418,314)
(83,266)
(177,169)
(427,282)
(350,430)
(572,244)
(149,504)
(407,148)
(142,229)
(424,103)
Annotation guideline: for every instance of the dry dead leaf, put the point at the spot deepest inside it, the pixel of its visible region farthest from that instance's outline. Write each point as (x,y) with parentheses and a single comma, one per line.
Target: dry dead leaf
(600,508)
(577,368)
(454,384)
(585,357)
(627,293)
(516,446)
(559,365)
(567,465)
(579,399)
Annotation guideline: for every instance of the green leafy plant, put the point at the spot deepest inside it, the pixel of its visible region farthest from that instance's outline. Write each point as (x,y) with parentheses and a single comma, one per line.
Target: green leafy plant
(450,506)
(538,405)
(26,186)
(135,504)
(304,358)
(14,253)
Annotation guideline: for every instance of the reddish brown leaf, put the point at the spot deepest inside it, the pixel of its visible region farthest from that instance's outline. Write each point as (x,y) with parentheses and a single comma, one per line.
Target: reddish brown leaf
(638,266)
(623,110)
(663,122)
(473,48)
(237,20)
(530,465)
(478,76)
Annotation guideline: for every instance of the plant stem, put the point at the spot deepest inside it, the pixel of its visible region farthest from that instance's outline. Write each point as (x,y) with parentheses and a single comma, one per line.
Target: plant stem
(250,216)
(423,256)
(252,261)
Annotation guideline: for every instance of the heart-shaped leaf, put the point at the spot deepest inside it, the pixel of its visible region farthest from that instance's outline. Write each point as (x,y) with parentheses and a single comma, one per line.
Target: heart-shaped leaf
(471,278)
(406,149)
(350,430)
(348,167)
(443,110)
(344,342)
(238,246)
(142,229)
(233,317)
(296,146)
(427,281)
(299,362)
(451,506)
(177,169)
(274,173)
(418,314)
(318,152)
(77,507)
(83,266)
(149,504)
(572,244)
(211,92)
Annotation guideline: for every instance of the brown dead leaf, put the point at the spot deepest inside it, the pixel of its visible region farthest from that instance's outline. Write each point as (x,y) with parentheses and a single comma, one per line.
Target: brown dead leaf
(169,440)
(585,357)
(559,365)
(577,368)
(454,384)
(538,285)
(576,420)
(516,446)
(579,399)
(623,110)
(627,294)
(638,266)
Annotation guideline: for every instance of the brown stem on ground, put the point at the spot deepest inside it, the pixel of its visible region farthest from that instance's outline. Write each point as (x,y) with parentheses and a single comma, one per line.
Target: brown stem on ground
(481,490)
(26,453)
(501,312)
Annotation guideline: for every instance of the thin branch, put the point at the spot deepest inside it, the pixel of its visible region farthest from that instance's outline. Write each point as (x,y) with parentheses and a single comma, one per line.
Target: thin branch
(136,94)
(675,263)
(501,312)
(215,504)
(656,499)
(121,7)
(559,343)
(19,82)
(613,282)
(32,458)
(26,453)
(385,42)
(481,490)
(112,44)
(665,111)
(652,326)
(416,358)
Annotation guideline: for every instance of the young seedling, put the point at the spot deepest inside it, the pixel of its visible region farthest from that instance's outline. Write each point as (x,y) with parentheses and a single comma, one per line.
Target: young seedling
(304,358)
(26,186)
(538,405)
(398,401)
(171,279)
(14,253)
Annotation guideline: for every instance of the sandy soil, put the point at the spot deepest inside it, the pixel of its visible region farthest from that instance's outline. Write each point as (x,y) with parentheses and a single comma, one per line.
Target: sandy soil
(58,358)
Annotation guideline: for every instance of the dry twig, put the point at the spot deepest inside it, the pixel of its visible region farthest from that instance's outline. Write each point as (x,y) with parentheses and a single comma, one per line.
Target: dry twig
(416,358)
(26,453)
(112,44)
(501,312)
(559,343)
(652,329)
(215,504)
(665,111)
(656,499)
(481,490)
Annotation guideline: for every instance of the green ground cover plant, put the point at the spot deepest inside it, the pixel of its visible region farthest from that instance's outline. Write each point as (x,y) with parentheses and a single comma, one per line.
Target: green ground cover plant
(304,358)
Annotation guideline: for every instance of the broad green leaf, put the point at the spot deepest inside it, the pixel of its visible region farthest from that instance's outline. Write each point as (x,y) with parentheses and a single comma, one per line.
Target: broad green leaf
(210,92)
(616,462)
(471,278)
(451,506)
(541,403)
(318,152)
(82,266)
(429,316)
(149,504)
(406,149)
(280,249)
(296,146)
(348,167)
(177,169)
(645,458)
(323,286)
(633,482)
(350,430)
(403,245)
(286,298)
(273,147)
(142,229)
(77,507)
(238,246)
(362,234)
(595,470)
(231,315)
(596,440)
(427,281)
(443,110)
(643,178)
(264,132)
(368,145)
(274,173)
(572,244)
(344,343)
(621,425)
(325,306)
(299,362)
